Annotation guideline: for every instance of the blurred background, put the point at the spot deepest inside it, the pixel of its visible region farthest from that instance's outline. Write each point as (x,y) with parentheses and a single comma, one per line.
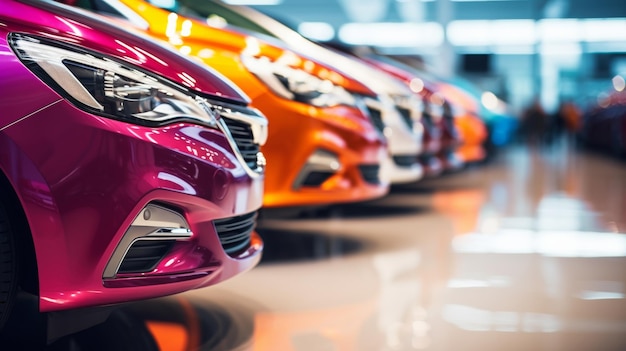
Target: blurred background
(521,249)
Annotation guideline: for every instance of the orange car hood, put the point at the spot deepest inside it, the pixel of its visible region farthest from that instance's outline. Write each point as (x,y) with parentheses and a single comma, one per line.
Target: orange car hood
(185,32)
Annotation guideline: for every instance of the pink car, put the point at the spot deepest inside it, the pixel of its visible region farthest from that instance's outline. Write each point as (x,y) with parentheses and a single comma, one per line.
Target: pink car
(126,171)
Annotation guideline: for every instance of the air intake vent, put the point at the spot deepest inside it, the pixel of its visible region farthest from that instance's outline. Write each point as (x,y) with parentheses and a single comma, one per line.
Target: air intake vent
(235,232)
(370,173)
(315,179)
(405,161)
(377,118)
(427,117)
(144,255)
(242,133)
(406,116)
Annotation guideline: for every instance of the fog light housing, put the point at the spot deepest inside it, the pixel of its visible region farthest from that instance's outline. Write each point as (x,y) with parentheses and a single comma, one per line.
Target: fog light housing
(147,241)
(319,167)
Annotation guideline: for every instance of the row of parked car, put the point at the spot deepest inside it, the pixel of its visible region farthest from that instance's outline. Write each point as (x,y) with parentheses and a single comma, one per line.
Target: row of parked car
(604,125)
(132,168)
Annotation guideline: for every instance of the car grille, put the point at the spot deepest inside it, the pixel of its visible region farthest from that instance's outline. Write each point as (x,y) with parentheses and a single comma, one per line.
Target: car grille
(404,160)
(235,232)
(370,173)
(144,255)
(376,117)
(406,116)
(242,134)
(425,158)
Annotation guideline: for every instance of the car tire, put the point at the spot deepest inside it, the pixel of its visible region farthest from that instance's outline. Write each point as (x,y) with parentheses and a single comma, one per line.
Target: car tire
(8,267)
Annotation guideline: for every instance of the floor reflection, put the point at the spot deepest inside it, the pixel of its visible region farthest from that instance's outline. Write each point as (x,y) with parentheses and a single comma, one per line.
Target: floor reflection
(288,246)
(172,324)
(525,253)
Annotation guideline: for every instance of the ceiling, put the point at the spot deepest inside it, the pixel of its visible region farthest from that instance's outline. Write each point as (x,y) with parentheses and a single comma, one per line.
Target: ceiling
(545,47)
(339,12)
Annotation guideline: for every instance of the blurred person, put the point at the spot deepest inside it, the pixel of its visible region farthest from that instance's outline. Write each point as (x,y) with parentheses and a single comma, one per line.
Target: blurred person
(556,125)
(571,116)
(566,120)
(534,123)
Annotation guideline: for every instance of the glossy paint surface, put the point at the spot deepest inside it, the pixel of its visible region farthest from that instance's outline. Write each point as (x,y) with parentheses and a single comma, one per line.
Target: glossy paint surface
(473,134)
(404,140)
(82,179)
(70,26)
(296,129)
(467,121)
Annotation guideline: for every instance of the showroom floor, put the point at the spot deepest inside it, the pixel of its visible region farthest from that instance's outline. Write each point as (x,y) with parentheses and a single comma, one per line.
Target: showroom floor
(524,253)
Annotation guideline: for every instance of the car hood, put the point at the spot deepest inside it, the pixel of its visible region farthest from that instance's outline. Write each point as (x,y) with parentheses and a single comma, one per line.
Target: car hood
(80,28)
(426,85)
(379,82)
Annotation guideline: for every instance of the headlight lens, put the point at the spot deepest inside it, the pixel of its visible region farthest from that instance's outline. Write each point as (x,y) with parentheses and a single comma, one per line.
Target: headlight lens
(106,87)
(296,84)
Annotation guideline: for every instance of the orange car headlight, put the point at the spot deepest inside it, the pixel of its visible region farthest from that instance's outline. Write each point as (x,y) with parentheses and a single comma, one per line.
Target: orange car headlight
(296,84)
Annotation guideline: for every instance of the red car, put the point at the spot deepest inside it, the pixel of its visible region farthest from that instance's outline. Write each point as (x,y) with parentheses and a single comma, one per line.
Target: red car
(441,137)
(126,171)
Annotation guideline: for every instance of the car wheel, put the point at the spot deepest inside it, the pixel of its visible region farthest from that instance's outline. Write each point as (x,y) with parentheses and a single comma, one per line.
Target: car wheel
(8,267)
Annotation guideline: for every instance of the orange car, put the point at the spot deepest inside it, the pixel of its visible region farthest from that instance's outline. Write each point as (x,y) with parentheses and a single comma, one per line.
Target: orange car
(322,147)
(471,128)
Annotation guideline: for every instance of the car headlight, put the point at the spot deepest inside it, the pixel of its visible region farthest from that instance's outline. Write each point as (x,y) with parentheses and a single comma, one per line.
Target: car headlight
(106,87)
(296,84)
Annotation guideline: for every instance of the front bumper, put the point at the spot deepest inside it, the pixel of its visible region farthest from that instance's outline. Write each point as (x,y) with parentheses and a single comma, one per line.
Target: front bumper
(83,180)
(473,134)
(319,156)
(404,137)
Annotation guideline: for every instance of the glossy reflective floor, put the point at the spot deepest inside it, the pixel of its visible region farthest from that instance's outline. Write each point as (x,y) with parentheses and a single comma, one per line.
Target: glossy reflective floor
(527,252)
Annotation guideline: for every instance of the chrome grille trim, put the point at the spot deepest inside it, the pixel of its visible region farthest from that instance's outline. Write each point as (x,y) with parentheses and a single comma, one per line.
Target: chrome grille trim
(154,222)
(242,133)
(406,116)
(246,131)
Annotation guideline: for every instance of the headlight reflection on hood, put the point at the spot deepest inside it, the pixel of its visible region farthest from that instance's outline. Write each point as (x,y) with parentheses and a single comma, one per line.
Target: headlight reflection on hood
(296,84)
